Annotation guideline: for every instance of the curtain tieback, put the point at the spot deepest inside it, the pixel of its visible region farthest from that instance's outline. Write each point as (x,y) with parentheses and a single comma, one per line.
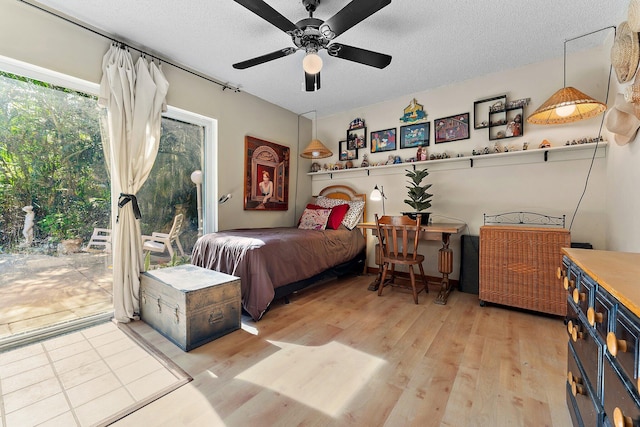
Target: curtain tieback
(126,198)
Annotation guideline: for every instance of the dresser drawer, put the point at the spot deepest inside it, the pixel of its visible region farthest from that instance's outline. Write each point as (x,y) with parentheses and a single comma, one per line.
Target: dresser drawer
(587,348)
(569,273)
(600,314)
(621,401)
(580,394)
(622,344)
(582,294)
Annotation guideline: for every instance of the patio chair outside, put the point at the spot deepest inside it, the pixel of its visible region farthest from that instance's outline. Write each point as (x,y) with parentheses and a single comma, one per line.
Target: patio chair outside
(101,238)
(159,242)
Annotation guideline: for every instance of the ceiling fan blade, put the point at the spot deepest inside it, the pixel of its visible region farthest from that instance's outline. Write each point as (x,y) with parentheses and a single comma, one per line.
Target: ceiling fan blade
(268,13)
(356,54)
(350,15)
(312,82)
(264,58)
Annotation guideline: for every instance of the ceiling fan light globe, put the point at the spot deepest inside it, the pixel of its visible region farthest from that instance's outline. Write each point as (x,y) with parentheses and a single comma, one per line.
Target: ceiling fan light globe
(312,63)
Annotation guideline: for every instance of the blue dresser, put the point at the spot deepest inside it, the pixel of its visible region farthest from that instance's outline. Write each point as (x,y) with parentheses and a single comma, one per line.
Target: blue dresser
(603,325)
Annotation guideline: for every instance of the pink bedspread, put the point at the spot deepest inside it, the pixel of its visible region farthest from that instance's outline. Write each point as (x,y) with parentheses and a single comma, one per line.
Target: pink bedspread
(266,258)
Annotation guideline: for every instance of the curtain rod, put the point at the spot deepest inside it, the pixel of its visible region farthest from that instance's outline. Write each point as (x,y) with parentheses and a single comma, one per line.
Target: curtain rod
(124,44)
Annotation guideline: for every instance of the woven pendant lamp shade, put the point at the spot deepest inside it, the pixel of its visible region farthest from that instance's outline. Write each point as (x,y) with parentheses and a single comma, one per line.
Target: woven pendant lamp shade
(316,150)
(585,108)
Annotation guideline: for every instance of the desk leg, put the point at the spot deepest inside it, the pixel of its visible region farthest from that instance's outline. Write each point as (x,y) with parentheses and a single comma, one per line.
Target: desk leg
(376,282)
(445,266)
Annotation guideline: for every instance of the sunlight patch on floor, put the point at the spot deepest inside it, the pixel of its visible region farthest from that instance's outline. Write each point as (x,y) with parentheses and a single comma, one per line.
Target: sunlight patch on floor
(325,377)
(251,329)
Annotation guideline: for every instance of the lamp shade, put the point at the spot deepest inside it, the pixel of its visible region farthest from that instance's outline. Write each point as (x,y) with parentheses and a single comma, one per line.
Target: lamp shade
(565,106)
(375,195)
(196,177)
(316,150)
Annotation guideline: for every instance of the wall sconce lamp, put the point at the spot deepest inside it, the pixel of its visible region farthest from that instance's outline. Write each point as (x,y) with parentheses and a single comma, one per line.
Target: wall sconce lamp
(378,194)
(196,178)
(315,149)
(568,104)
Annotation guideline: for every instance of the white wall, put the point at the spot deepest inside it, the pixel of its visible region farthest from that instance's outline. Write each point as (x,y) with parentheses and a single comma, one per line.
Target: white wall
(623,192)
(464,194)
(32,36)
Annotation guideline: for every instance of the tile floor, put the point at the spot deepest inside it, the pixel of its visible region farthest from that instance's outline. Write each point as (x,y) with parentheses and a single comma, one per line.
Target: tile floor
(79,379)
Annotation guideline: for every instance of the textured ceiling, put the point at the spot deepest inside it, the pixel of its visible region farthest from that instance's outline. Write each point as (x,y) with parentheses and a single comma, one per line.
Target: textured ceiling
(433,42)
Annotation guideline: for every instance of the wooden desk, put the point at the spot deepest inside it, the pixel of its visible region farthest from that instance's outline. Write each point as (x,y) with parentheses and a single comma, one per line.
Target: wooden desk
(435,231)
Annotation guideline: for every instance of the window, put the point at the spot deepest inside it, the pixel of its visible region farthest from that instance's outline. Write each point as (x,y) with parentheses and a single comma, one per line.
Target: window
(51,158)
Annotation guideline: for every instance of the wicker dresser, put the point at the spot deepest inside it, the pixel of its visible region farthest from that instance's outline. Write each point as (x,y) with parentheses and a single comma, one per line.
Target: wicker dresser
(518,267)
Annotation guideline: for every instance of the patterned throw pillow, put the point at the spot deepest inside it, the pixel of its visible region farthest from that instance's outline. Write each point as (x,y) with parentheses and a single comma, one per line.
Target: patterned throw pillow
(314,219)
(353,215)
(337,214)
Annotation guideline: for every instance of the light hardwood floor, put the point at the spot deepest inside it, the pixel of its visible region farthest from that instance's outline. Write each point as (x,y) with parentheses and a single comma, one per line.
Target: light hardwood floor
(340,355)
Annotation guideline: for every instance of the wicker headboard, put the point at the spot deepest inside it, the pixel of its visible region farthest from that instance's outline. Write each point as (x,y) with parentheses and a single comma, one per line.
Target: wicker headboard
(345,193)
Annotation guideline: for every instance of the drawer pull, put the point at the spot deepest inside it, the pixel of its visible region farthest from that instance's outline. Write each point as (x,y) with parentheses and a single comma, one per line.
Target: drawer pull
(576,385)
(579,296)
(159,306)
(177,311)
(560,273)
(568,283)
(594,317)
(574,331)
(620,420)
(614,344)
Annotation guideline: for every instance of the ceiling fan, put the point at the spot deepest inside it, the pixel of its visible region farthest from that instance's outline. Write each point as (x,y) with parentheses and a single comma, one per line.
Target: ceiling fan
(313,34)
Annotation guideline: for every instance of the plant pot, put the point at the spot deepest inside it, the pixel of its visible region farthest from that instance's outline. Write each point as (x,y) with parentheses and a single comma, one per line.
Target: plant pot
(414,215)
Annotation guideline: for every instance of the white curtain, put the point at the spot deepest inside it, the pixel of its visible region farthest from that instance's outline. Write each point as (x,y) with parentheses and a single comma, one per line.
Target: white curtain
(134,99)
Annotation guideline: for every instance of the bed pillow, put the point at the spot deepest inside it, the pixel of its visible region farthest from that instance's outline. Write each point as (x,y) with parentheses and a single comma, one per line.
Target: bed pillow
(314,219)
(337,214)
(352,217)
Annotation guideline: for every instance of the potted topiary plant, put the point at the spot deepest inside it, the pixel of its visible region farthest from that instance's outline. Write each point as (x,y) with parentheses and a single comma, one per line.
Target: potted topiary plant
(418,198)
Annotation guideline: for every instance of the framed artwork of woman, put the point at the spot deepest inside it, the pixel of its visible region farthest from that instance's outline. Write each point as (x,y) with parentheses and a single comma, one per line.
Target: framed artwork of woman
(266,175)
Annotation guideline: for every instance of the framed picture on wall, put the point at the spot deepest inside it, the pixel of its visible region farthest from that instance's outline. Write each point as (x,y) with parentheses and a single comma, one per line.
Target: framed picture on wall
(383,140)
(451,128)
(266,175)
(357,138)
(416,135)
(345,153)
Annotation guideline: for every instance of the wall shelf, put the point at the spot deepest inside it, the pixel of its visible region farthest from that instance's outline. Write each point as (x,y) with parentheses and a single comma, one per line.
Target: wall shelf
(532,155)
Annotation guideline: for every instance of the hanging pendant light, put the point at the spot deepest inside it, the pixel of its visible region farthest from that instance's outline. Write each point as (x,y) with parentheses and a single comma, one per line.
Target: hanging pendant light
(567,104)
(315,149)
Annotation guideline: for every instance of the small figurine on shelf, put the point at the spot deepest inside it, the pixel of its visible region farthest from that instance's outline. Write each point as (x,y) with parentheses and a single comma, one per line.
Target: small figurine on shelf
(365,161)
(517,128)
(421,154)
(545,144)
(397,160)
(390,159)
(315,167)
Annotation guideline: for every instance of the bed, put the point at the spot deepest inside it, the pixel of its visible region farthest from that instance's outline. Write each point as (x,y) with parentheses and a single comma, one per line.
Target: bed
(272,263)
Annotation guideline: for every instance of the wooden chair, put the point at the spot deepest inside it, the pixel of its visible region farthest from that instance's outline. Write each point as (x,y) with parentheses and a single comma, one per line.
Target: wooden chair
(398,237)
(158,242)
(101,237)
